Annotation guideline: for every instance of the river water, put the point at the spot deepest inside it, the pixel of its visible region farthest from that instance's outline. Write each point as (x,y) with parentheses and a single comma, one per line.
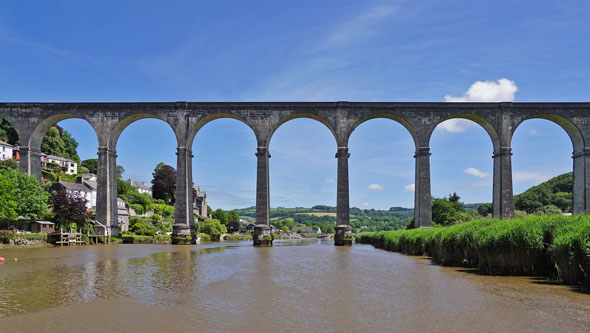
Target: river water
(293,286)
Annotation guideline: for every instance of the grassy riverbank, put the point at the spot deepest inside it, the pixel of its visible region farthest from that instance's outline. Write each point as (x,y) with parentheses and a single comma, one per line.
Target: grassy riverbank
(553,246)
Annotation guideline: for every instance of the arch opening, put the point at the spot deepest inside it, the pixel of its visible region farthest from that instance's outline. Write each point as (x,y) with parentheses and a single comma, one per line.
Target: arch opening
(303,176)
(381,175)
(542,165)
(206,120)
(224,172)
(297,116)
(461,164)
(401,121)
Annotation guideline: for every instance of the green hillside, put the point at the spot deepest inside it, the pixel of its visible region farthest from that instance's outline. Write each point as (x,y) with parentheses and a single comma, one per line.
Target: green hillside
(556,192)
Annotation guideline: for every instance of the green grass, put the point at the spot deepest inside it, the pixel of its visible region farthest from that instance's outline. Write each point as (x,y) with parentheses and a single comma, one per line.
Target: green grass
(555,246)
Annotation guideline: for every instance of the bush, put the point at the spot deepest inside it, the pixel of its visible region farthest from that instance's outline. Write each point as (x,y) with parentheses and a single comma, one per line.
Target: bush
(142,228)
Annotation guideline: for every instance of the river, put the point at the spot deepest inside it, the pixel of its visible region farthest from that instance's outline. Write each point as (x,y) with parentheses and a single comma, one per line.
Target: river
(293,286)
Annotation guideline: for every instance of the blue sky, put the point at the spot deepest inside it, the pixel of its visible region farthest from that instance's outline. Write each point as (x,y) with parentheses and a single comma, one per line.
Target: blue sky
(307,51)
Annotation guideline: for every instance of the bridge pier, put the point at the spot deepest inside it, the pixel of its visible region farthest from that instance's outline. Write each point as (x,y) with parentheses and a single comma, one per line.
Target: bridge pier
(30,161)
(581,186)
(183,219)
(343,234)
(422,194)
(502,200)
(106,192)
(262,235)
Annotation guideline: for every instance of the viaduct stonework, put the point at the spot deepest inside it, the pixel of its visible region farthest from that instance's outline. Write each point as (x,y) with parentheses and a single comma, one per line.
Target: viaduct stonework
(500,120)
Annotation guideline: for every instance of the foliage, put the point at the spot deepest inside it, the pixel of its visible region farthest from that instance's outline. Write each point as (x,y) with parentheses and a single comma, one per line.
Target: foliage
(448,211)
(233,215)
(131,196)
(485,209)
(534,245)
(91,164)
(237,237)
(212,227)
(8,206)
(8,132)
(220,215)
(164,183)
(60,142)
(556,191)
(11,164)
(143,228)
(68,208)
(233,226)
(31,198)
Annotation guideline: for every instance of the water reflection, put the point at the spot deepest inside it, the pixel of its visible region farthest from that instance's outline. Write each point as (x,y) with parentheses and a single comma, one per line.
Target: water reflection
(295,286)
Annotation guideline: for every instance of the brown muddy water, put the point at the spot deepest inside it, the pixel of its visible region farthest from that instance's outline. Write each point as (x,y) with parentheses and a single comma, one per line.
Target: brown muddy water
(294,286)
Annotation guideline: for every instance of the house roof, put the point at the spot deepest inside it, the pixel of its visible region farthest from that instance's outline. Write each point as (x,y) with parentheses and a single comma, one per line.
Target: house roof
(43,222)
(2,143)
(72,186)
(137,184)
(59,158)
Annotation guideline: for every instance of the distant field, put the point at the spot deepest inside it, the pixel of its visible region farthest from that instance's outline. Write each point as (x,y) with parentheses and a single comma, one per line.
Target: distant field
(318,214)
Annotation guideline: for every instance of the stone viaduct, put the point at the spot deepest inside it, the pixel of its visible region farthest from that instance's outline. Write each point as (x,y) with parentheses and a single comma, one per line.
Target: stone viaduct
(500,120)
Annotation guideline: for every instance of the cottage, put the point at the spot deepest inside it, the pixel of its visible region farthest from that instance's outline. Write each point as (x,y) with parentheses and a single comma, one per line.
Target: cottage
(199,202)
(6,150)
(83,188)
(123,213)
(141,187)
(70,167)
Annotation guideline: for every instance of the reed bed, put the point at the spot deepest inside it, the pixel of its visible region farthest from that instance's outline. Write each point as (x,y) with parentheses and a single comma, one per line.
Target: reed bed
(553,246)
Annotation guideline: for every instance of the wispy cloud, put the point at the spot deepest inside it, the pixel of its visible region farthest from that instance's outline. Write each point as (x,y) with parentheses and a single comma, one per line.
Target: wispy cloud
(530,176)
(475,172)
(359,28)
(411,187)
(329,181)
(11,38)
(376,187)
(365,204)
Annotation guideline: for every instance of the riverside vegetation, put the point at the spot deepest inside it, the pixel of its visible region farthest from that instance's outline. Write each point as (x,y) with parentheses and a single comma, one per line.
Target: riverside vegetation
(553,246)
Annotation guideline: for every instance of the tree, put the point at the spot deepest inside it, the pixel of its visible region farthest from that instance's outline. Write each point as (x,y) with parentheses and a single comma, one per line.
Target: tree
(8,132)
(60,142)
(120,171)
(220,215)
(446,212)
(233,226)
(7,204)
(212,227)
(30,197)
(485,209)
(68,207)
(233,216)
(209,210)
(91,164)
(164,183)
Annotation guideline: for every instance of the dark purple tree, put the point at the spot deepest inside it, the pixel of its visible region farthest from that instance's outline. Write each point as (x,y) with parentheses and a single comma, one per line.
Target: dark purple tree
(233,226)
(164,183)
(68,208)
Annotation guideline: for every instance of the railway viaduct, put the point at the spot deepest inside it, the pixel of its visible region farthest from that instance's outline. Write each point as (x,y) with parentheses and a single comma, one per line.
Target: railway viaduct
(500,120)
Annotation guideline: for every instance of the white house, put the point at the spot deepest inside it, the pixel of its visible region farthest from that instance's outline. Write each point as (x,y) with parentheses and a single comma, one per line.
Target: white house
(6,150)
(141,187)
(83,188)
(70,167)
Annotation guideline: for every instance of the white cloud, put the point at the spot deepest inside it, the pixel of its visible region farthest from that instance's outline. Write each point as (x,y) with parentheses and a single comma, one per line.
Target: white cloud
(456,125)
(376,187)
(533,132)
(502,90)
(365,204)
(329,181)
(411,187)
(475,172)
(530,176)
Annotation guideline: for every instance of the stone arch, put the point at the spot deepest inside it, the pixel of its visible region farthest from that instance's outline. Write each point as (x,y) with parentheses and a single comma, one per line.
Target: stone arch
(10,121)
(317,118)
(395,118)
(122,124)
(567,125)
(34,141)
(204,121)
(484,123)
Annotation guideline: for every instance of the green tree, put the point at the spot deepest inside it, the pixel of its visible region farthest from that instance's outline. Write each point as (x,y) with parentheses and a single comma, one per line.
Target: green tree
(446,212)
(485,209)
(31,198)
(8,132)
(8,206)
(209,210)
(220,215)
(53,144)
(233,216)
(91,164)
(212,227)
